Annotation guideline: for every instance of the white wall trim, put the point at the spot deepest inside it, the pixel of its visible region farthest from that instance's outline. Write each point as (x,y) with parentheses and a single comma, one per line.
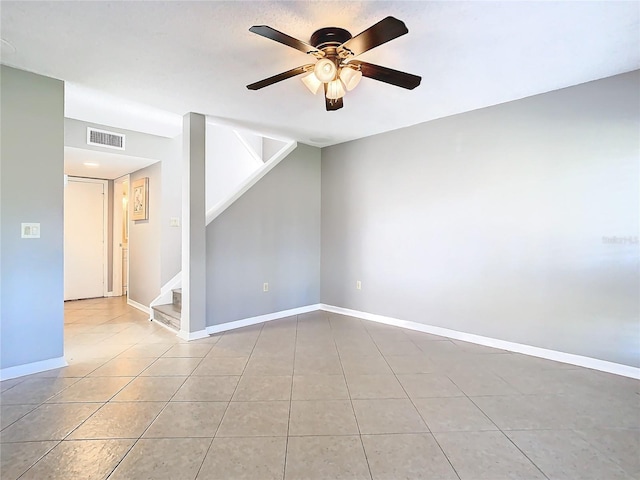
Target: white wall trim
(223,327)
(189,336)
(31,368)
(579,360)
(243,127)
(139,306)
(254,155)
(166,292)
(164,325)
(222,205)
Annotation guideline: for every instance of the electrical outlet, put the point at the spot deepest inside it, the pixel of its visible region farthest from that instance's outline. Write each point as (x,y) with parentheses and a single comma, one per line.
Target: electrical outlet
(358,285)
(265,287)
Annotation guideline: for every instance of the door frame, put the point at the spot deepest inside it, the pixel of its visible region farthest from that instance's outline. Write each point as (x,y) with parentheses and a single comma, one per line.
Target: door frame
(105,226)
(117,239)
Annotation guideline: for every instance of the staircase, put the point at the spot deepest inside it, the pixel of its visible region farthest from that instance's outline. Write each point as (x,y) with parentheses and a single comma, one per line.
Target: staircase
(257,151)
(169,314)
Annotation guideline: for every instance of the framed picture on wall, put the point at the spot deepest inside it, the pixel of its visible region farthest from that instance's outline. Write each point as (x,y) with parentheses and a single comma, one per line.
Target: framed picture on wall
(140,194)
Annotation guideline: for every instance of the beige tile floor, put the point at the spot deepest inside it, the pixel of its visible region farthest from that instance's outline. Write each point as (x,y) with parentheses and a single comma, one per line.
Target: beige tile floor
(317,396)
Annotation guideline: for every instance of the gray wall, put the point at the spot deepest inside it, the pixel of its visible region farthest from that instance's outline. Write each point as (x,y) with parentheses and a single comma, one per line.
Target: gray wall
(32,153)
(271,234)
(171,242)
(492,222)
(144,240)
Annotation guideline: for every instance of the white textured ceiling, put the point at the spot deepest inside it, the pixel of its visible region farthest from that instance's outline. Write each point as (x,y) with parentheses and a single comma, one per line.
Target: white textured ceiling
(104,165)
(198,56)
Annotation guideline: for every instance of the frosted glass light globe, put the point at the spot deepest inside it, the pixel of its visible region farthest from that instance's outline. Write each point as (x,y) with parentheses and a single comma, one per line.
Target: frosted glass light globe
(311,82)
(325,70)
(350,77)
(335,89)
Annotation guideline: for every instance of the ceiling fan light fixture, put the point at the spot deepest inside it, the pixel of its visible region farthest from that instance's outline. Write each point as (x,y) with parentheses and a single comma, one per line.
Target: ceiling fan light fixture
(325,70)
(335,89)
(333,67)
(311,82)
(350,77)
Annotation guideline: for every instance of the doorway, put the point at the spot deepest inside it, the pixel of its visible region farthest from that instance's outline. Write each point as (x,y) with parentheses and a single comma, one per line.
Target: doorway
(85,238)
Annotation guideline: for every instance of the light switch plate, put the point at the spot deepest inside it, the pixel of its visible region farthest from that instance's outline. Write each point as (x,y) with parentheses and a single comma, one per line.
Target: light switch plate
(174,222)
(30,230)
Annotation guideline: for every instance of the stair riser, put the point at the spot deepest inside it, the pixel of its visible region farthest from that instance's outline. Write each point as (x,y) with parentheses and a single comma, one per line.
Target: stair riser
(167,320)
(177,300)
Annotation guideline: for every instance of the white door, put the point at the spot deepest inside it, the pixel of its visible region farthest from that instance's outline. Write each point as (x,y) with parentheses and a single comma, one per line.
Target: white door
(84,202)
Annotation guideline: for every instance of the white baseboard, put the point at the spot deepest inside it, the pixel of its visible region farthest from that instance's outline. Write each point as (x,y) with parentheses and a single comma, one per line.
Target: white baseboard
(223,327)
(31,368)
(579,360)
(189,336)
(139,306)
(164,325)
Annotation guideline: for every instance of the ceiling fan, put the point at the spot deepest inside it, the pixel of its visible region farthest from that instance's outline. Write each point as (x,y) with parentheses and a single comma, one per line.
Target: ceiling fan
(335,68)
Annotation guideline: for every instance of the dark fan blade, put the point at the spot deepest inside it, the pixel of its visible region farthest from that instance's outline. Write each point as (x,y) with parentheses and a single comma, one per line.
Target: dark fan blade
(388,75)
(274,34)
(332,105)
(380,33)
(278,78)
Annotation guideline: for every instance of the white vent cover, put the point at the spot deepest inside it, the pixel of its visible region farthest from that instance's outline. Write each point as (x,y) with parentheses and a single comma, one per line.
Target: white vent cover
(102,138)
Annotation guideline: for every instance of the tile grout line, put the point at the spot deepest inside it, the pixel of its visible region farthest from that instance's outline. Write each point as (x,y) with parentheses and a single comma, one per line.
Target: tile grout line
(39,458)
(82,423)
(156,416)
(364,450)
(506,436)
(78,379)
(412,402)
(446,369)
(136,440)
(293,372)
(215,434)
(524,454)
(495,424)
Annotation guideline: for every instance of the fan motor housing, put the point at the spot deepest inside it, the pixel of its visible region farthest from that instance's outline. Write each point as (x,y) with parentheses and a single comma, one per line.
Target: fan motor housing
(329,37)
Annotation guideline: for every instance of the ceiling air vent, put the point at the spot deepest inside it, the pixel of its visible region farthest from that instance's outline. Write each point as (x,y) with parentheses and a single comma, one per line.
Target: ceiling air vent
(102,138)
